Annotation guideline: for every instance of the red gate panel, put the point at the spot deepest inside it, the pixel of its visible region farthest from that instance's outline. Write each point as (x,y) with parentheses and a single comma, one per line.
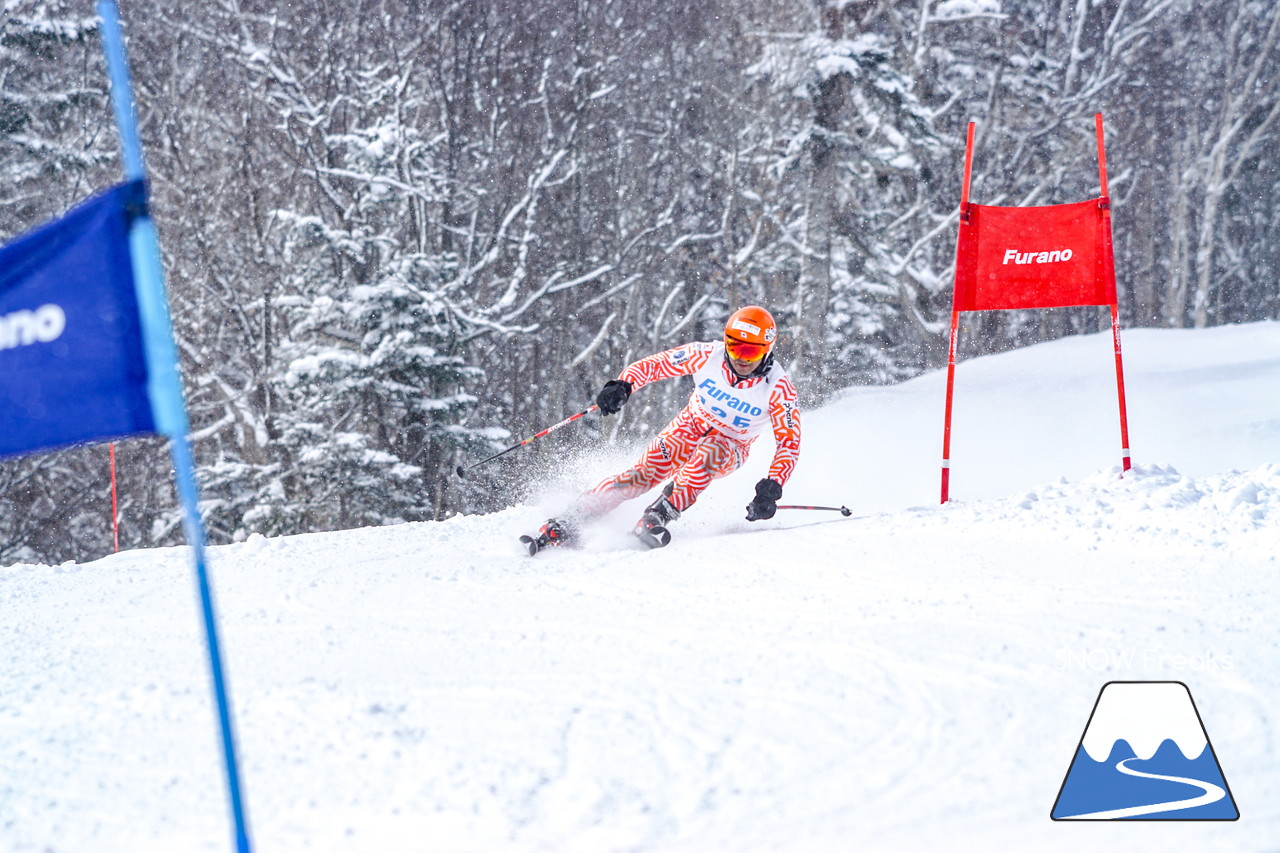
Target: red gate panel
(1033,257)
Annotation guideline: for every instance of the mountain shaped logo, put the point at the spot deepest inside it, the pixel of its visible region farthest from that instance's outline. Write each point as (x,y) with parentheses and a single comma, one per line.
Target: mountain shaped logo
(1145,755)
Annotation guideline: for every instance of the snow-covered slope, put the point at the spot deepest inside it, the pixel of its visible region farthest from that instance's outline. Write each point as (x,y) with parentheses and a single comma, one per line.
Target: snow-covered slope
(914,677)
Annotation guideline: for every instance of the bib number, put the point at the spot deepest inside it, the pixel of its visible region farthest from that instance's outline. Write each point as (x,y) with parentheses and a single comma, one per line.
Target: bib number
(738,421)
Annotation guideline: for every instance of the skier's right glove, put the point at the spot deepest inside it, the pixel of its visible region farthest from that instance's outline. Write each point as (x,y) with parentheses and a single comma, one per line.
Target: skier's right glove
(765,503)
(613,396)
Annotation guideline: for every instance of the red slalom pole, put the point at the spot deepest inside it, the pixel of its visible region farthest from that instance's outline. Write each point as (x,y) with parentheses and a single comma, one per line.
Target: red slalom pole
(1109,270)
(462,472)
(115,506)
(955,321)
(952,346)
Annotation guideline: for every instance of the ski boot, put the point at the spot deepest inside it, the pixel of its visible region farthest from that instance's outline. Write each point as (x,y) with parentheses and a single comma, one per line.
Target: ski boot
(651,529)
(552,534)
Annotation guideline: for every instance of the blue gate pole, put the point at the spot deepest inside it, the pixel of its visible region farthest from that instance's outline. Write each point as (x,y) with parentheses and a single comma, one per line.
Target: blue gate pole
(164,387)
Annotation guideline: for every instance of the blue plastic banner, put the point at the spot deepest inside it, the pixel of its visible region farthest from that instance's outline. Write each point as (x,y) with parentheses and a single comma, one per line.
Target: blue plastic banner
(72,363)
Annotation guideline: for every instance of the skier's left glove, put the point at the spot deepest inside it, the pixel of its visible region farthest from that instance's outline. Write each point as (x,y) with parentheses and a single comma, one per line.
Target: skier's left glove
(613,396)
(765,503)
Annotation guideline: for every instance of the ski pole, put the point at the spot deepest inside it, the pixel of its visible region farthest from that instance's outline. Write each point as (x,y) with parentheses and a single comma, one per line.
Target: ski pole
(843,510)
(462,472)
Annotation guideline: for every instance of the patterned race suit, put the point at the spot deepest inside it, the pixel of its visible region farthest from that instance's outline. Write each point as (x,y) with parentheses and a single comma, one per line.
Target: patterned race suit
(712,435)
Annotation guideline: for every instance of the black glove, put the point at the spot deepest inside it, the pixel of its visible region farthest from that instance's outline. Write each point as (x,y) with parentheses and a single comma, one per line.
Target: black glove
(765,503)
(613,396)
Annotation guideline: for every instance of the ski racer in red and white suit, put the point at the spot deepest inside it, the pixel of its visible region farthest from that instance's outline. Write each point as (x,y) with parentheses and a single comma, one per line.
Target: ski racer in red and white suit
(739,391)
(713,434)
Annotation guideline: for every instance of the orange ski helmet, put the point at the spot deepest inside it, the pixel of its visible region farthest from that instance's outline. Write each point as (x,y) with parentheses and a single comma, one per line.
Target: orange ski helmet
(749,334)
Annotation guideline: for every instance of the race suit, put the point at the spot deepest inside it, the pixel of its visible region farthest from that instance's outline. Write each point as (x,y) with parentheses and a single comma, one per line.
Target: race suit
(712,435)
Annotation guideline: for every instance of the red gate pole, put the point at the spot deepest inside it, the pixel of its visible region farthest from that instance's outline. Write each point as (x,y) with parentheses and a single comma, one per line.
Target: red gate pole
(115,514)
(1109,270)
(1124,416)
(946,424)
(955,323)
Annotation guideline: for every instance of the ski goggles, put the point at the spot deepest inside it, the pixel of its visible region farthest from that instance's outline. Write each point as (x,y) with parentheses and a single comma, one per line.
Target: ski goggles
(743,351)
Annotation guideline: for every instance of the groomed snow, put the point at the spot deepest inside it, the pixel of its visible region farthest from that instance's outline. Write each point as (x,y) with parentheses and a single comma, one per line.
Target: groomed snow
(916,677)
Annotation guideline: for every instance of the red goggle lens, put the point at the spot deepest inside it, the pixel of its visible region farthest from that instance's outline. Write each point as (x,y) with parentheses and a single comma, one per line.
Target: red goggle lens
(743,351)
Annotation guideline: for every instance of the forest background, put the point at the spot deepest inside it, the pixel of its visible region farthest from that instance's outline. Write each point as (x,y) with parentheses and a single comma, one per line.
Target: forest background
(400,234)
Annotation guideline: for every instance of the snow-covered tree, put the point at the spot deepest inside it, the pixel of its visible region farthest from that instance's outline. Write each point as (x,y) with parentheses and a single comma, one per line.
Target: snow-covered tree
(398,234)
(368,378)
(859,162)
(51,154)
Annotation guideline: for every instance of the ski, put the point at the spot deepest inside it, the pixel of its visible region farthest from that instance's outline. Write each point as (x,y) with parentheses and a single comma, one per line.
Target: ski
(553,534)
(649,532)
(651,528)
(652,537)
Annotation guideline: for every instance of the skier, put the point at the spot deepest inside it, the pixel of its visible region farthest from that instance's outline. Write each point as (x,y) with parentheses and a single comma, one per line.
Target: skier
(739,390)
